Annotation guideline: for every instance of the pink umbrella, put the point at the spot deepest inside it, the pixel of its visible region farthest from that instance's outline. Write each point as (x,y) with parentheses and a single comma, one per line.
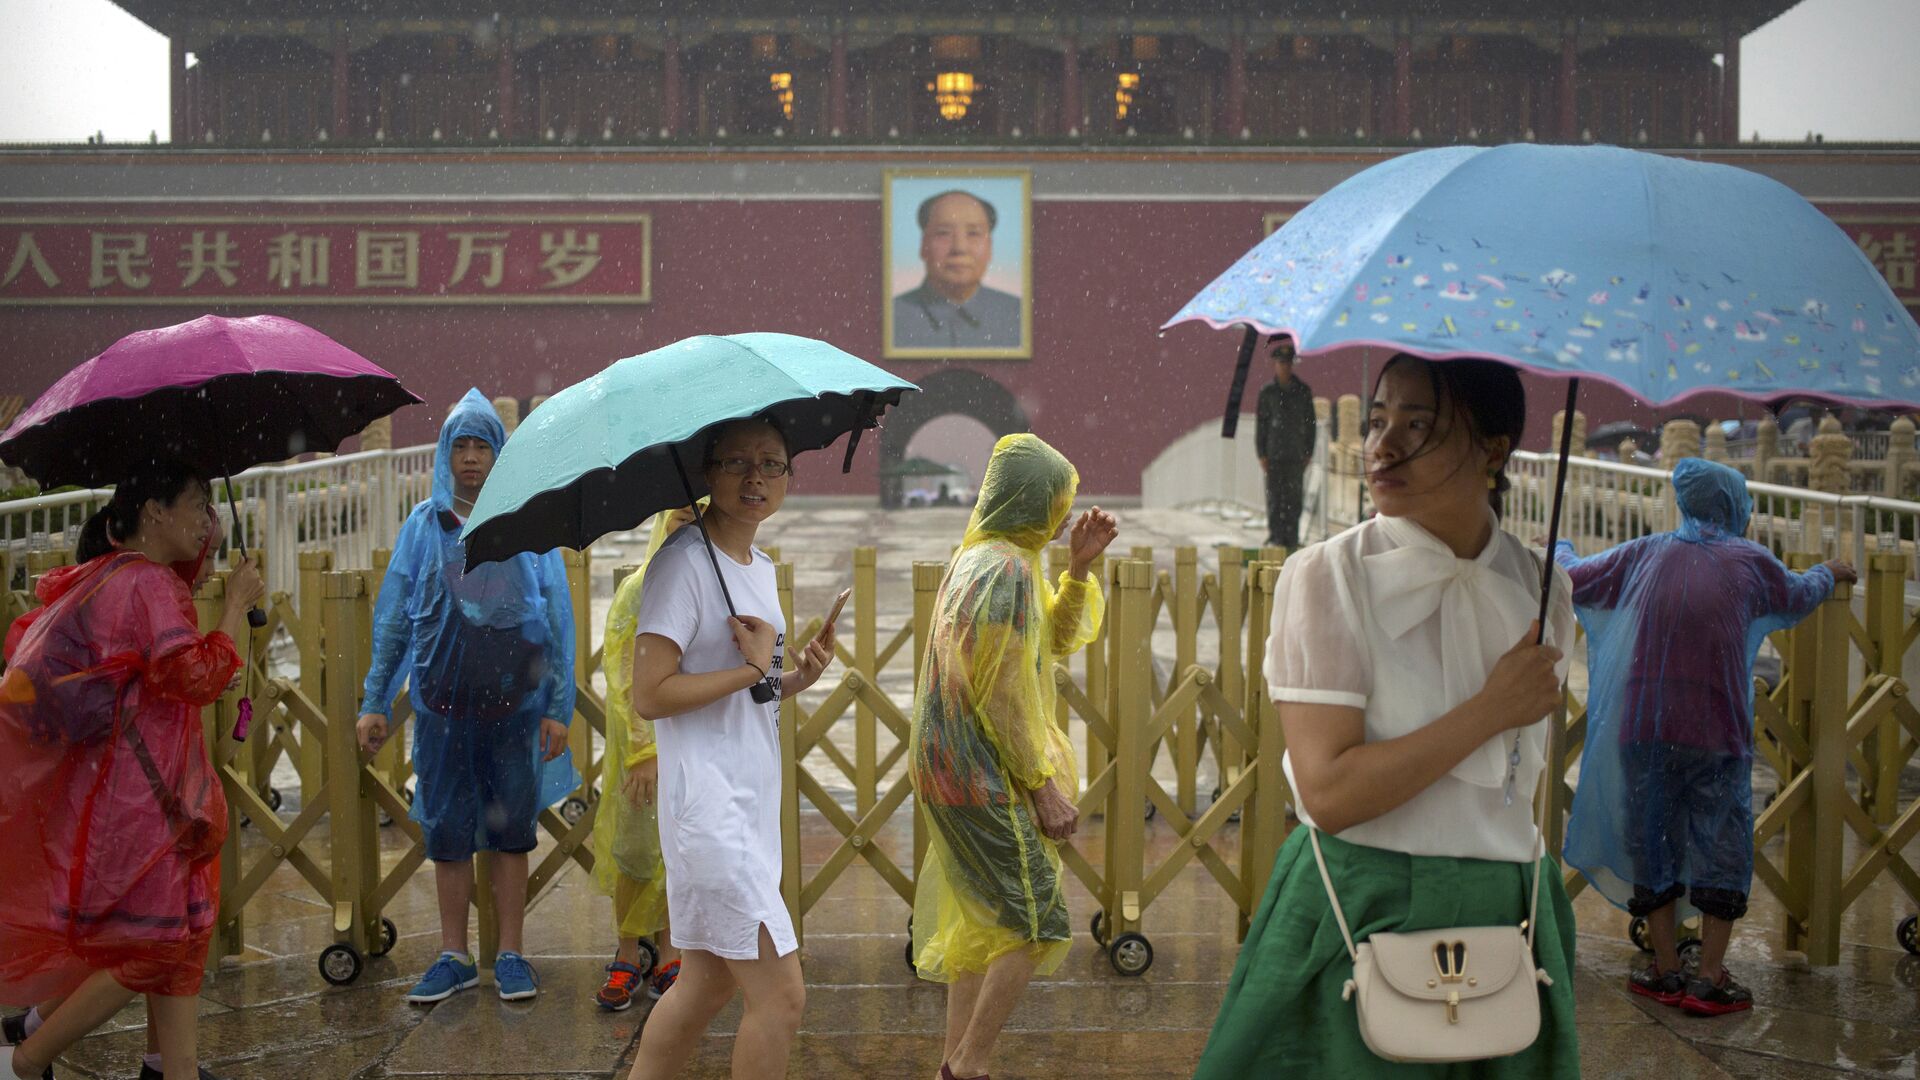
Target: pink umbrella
(220,394)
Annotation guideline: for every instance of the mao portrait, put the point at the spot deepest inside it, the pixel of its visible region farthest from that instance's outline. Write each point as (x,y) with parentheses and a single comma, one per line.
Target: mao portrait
(957,264)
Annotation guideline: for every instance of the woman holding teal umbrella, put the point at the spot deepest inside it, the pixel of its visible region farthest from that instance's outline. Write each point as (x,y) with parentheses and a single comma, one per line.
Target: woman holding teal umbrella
(710,664)
(701,647)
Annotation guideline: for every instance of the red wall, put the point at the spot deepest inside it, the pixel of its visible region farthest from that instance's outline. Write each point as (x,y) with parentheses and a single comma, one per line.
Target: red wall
(1103,385)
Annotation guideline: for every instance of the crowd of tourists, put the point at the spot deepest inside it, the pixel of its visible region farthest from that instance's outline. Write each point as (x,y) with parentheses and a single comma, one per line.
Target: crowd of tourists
(1410,669)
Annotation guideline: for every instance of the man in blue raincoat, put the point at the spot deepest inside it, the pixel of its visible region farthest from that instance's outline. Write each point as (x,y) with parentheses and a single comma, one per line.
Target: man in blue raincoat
(1664,810)
(488,658)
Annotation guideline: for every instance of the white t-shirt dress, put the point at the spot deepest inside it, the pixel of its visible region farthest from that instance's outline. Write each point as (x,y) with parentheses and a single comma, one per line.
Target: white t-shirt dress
(719,765)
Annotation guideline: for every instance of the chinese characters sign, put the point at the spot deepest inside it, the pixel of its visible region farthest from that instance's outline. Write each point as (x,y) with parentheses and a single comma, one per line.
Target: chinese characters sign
(335,258)
(1894,249)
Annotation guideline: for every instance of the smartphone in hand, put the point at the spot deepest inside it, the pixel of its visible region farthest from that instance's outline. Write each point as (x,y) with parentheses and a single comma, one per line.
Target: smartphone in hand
(839,602)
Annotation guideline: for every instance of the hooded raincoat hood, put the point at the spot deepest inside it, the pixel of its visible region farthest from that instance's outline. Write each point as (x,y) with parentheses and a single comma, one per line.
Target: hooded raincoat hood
(1025,496)
(1713,500)
(472,416)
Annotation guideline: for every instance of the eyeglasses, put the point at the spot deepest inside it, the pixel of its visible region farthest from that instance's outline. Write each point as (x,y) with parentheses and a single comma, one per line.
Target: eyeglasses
(769,468)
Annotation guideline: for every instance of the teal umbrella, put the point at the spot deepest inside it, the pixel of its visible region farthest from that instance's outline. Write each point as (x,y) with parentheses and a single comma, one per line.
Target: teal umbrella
(607,453)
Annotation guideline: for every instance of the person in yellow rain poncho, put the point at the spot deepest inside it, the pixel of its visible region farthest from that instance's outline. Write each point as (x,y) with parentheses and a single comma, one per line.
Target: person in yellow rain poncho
(627,864)
(992,774)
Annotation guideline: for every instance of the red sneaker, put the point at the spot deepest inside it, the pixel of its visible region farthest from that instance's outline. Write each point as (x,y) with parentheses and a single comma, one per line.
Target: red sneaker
(622,979)
(662,979)
(1667,988)
(1716,999)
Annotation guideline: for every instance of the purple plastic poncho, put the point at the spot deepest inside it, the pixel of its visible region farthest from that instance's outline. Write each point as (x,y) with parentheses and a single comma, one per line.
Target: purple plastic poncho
(1673,624)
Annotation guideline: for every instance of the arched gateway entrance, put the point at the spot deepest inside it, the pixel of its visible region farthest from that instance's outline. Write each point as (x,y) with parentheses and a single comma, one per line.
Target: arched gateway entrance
(944,393)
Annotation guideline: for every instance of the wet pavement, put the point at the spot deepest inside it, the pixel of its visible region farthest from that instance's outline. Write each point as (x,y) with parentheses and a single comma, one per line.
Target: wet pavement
(267,1014)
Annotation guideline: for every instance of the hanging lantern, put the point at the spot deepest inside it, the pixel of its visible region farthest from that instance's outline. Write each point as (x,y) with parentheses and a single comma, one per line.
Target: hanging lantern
(1126,84)
(953,92)
(781,83)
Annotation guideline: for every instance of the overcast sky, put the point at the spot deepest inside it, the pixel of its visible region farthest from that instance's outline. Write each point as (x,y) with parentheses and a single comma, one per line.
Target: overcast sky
(1845,68)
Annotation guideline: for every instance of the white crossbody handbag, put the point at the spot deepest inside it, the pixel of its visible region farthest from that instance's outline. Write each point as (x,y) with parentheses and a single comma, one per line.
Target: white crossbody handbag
(1461,993)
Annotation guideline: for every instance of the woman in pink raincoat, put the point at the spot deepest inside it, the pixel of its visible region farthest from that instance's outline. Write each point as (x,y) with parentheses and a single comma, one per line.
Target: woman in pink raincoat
(110,791)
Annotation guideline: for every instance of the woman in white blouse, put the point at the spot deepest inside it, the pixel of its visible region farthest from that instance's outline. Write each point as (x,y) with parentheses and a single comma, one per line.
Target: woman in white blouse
(1411,691)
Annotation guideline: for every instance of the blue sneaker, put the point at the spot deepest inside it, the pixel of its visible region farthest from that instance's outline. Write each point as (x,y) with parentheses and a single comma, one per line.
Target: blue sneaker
(448,976)
(514,977)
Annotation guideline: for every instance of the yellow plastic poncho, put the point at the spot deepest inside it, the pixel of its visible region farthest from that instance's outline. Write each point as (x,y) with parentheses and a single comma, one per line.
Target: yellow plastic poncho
(627,864)
(983,730)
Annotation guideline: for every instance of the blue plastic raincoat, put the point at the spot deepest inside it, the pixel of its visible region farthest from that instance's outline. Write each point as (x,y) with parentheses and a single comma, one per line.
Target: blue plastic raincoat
(490,647)
(1673,624)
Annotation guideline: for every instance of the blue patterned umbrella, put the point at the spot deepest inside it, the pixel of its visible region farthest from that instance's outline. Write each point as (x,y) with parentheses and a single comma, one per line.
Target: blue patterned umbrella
(1662,276)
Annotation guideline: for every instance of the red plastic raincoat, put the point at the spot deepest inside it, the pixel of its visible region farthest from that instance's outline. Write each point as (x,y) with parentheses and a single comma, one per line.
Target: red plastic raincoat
(115,826)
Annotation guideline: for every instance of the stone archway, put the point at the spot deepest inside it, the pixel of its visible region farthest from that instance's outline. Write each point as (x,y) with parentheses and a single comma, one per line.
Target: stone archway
(943,393)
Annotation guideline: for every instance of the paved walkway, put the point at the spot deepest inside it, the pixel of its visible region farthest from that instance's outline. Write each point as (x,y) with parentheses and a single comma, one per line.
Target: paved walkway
(268,1015)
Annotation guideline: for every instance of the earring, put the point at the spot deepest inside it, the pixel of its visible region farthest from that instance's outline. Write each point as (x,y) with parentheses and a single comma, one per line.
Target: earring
(1493,481)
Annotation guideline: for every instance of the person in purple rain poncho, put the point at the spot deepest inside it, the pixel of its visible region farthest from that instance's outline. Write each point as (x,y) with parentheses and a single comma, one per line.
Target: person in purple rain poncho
(1663,817)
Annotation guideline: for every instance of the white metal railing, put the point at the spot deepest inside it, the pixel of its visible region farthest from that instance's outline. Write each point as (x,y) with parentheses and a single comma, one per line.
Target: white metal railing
(350,505)
(1609,503)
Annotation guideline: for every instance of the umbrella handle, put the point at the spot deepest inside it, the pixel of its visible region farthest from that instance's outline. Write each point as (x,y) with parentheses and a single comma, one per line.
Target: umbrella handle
(1230,423)
(1559,492)
(762,693)
(853,439)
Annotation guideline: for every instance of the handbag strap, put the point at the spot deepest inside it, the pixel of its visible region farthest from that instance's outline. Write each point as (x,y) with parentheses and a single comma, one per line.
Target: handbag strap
(1346,934)
(1333,898)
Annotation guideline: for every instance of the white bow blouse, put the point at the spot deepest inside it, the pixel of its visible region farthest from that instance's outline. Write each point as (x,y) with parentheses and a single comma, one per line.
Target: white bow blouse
(1386,619)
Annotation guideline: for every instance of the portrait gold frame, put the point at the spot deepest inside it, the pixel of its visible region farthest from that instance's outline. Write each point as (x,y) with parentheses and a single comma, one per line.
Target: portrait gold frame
(1023,351)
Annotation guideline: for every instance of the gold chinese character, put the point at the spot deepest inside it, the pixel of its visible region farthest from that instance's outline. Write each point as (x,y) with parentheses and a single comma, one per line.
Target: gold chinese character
(292,258)
(1895,258)
(26,252)
(568,259)
(386,260)
(202,255)
(125,254)
(491,244)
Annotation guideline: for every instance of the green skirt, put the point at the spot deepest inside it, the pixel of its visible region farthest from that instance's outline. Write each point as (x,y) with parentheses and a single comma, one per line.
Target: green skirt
(1283,1015)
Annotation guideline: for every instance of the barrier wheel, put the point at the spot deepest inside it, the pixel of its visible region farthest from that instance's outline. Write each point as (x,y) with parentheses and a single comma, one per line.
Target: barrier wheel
(386,819)
(389,937)
(1690,952)
(1637,933)
(1131,954)
(573,809)
(1908,934)
(649,957)
(1906,971)
(340,963)
(1152,810)
(911,964)
(1098,928)
(273,798)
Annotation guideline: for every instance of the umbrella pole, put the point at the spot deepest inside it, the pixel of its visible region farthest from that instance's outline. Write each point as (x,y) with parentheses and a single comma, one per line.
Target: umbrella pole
(256,618)
(761,692)
(1559,493)
(1231,422)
